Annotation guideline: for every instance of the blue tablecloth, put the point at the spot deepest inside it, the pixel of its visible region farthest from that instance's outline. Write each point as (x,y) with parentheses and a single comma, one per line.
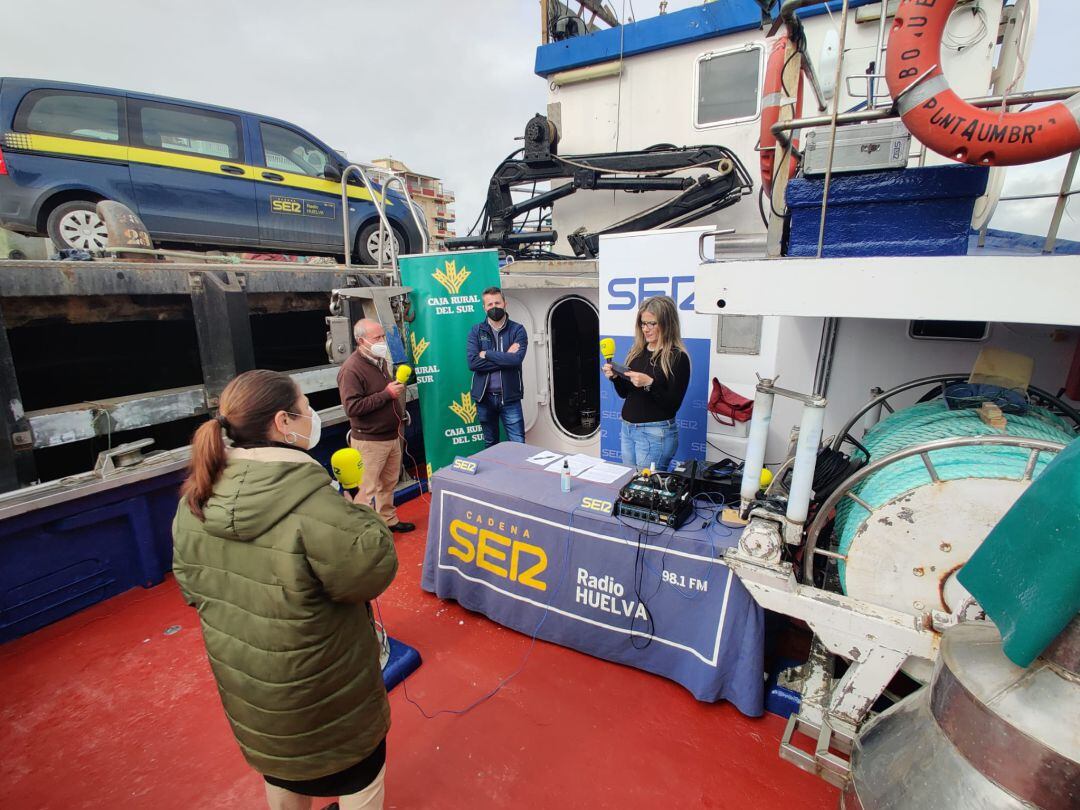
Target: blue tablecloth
(506,542)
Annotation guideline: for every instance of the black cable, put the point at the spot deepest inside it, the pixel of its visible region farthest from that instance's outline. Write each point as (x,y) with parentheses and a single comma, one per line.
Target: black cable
(848,437)
(643,536)
(638,570)
(528,652)
(726,454)
(483,211)
(831,469)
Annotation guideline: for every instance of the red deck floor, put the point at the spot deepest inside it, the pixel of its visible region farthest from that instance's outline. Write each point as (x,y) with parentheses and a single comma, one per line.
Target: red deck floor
(104,710)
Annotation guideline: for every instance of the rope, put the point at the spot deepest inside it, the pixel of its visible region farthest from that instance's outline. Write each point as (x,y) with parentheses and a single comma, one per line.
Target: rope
(708,164)
(929,421)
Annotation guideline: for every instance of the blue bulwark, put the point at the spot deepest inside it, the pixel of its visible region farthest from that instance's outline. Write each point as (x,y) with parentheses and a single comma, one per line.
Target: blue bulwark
(1010,243)
(914,212)
(715,19)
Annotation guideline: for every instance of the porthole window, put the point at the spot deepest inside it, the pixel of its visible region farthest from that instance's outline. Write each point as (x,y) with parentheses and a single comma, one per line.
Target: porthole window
(574,327)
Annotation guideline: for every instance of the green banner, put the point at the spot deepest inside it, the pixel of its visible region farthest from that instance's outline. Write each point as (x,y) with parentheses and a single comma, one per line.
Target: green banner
(446,290)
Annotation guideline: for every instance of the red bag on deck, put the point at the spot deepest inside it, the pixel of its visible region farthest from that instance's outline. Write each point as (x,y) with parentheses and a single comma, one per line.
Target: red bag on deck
(727,407)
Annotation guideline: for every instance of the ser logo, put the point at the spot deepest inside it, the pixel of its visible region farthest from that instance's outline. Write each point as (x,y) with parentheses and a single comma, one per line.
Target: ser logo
(626,293)
(503,555)
(465,466)
(596,505)
(285,205)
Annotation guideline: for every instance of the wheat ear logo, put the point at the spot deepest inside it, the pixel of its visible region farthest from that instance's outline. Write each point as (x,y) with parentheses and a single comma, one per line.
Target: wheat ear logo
(450,277)
(418,347)
(466,409)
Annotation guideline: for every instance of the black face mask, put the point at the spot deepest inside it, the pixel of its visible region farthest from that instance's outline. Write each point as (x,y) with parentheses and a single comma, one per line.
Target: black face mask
(496,313)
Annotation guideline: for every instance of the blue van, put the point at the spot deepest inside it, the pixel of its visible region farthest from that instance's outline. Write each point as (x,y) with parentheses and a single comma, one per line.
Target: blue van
(198,176)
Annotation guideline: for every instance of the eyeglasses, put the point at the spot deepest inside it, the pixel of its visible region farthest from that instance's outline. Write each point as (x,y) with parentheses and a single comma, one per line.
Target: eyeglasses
(648,324)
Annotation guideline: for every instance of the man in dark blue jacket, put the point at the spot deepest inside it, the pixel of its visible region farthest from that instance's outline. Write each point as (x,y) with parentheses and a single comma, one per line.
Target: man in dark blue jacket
(496,347)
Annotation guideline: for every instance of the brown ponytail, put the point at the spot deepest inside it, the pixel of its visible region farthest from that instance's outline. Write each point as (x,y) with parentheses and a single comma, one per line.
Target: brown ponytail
(248,406)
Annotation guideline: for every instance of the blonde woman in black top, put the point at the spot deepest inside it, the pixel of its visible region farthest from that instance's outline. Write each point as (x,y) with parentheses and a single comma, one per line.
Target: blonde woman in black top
(654,386)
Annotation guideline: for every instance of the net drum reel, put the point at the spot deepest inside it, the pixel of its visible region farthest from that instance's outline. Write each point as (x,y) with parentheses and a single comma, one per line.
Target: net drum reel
(936,482)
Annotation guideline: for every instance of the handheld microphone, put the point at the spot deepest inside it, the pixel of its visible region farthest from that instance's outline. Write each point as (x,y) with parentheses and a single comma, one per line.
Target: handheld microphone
(348,468)
(403,373)
(607,349)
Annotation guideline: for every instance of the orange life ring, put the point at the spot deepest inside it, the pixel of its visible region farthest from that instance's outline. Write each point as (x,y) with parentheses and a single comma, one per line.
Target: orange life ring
(946,123)
(772,100)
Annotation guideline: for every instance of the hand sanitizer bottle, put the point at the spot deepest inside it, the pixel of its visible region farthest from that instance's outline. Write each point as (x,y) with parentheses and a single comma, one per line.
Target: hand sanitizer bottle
(564,477)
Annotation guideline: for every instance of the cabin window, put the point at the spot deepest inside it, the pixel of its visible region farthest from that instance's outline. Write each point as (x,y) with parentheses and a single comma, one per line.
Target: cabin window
(574,327)
(78,115)
(727,86)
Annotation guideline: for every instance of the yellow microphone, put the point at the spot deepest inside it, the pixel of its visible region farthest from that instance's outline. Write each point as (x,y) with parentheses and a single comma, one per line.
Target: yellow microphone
(348,468)
(607,348)
(403,373)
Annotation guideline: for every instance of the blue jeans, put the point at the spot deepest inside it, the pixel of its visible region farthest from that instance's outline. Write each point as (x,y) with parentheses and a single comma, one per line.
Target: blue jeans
(490,409)
(649,442)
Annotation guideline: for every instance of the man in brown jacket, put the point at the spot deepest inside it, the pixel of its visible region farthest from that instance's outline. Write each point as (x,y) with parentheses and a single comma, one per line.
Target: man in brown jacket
(373,401)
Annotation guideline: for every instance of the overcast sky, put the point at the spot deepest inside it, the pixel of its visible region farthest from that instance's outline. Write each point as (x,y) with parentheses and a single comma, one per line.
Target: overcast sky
(443,86)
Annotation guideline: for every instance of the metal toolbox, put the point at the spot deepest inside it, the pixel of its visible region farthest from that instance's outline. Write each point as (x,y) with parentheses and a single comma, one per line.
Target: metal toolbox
(859,148)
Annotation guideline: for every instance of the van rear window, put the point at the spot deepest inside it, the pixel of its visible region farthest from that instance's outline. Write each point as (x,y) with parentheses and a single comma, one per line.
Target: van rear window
(71,114)
(185,129)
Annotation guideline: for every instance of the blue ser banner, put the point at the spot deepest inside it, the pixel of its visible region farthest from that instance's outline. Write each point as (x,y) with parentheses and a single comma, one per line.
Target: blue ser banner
(654,599)
(636,266)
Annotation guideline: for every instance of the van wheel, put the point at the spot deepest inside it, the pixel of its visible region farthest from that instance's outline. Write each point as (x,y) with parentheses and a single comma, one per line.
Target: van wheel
(76,225)
(367,244)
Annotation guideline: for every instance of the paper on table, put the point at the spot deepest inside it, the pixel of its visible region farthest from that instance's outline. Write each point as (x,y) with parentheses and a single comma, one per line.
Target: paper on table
(604,473)
(589,461)
(544,457)
(577,464)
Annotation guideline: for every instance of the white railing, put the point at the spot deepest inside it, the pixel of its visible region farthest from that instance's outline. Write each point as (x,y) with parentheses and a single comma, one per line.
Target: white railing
(385,228)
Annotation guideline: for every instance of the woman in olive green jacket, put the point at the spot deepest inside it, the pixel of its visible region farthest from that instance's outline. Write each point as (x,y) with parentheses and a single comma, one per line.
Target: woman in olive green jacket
(281,569)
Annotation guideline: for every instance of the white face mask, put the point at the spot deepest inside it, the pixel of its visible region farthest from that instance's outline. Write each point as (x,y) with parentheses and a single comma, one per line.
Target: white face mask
(379,350)
(316,429)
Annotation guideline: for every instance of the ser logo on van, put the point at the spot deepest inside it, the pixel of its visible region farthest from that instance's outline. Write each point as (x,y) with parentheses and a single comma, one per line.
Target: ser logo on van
(307,208)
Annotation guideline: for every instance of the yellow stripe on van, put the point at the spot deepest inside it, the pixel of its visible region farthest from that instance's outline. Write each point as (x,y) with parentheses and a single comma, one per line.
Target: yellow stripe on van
(72,146)
(182,160)
(102,150)
(319,184)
